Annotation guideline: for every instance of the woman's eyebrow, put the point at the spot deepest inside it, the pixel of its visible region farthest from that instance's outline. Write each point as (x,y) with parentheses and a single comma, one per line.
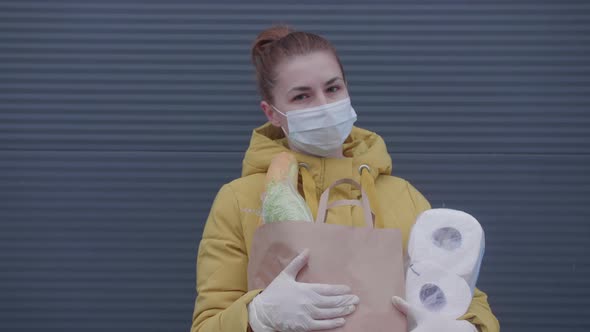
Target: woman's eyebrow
(300,88)
(306,88)
(332,80)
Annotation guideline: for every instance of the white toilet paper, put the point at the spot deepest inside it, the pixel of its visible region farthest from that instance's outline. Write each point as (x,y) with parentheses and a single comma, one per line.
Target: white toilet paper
(451,238)
(431,288)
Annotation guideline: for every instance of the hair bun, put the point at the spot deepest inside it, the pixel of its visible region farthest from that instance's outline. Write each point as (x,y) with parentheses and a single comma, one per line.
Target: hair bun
(266,38)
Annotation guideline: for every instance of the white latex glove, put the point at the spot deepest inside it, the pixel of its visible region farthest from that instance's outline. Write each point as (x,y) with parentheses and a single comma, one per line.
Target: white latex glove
(424,321)
(291,306)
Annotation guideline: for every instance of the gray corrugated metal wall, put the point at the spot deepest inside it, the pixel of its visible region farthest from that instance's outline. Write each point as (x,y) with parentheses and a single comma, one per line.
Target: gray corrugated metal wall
(119,121)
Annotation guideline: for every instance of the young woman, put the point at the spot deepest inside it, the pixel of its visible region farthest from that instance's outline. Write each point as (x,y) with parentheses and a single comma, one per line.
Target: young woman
(306,101)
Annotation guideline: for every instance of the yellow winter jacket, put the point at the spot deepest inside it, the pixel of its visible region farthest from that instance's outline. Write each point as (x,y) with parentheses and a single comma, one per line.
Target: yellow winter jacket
(222,260)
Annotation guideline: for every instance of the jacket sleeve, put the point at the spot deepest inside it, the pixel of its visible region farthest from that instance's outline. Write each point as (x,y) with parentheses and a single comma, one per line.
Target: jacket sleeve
(479,312)
(222,260)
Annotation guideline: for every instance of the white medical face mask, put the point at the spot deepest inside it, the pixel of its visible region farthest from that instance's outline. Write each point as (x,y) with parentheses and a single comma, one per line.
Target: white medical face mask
(320,130)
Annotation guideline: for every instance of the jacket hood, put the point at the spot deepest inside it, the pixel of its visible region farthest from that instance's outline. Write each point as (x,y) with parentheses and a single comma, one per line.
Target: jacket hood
(362,146)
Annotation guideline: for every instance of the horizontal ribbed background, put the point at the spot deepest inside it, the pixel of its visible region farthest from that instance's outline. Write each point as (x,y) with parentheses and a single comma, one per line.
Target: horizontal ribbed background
(120,120)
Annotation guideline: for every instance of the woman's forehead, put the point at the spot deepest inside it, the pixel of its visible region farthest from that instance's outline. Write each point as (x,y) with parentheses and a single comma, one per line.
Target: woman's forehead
(307,70)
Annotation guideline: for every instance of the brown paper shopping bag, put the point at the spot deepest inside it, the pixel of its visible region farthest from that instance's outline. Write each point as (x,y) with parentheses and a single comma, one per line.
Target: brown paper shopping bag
(368,260)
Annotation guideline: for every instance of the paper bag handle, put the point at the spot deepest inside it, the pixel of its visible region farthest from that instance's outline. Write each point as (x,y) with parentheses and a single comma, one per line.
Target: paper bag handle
(363,202)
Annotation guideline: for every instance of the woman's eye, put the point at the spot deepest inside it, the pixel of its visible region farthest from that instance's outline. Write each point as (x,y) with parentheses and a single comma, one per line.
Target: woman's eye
(300,97)
(333,89)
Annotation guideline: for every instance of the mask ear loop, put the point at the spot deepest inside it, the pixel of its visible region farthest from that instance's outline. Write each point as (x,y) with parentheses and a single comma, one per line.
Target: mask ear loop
(283,114)
(277,110)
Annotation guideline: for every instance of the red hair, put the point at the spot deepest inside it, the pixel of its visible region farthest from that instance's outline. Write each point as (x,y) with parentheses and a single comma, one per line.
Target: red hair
(278,43)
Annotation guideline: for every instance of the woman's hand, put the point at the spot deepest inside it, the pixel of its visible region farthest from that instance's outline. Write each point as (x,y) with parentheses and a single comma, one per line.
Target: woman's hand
(424,321)
(290,306)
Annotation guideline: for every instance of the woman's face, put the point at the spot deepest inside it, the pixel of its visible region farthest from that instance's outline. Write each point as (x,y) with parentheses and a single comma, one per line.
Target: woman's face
(305,81)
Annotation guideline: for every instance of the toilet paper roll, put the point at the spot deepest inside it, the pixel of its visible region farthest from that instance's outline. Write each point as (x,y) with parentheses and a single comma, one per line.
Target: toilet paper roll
(431,288)
(451,238)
